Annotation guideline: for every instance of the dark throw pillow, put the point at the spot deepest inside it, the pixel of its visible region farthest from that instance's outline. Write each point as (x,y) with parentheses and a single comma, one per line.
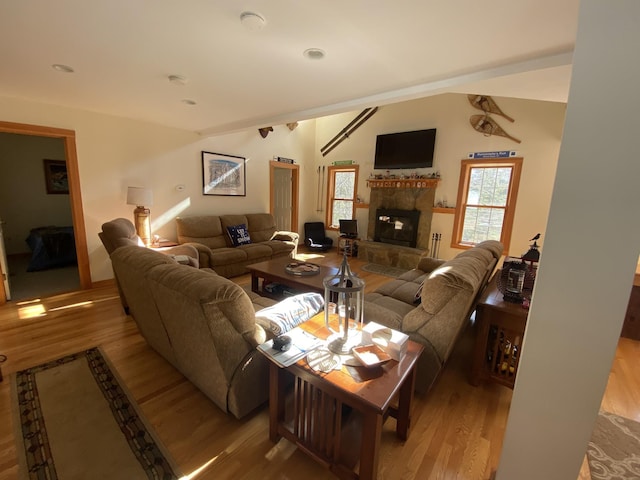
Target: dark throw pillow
(239,235)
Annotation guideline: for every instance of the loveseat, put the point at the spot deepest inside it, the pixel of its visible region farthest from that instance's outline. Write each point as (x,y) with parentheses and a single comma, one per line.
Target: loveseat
(433,303)
(228,243)
(202,323)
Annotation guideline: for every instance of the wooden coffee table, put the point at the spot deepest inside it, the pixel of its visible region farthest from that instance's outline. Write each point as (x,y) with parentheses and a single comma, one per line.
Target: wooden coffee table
(273,271)
(313,420)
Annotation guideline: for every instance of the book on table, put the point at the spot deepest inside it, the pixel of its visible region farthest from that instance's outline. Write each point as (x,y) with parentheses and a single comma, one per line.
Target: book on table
(302,342)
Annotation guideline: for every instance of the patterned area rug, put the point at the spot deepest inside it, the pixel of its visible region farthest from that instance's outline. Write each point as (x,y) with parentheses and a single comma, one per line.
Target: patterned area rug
(614,450)
(76,421)
(383,270)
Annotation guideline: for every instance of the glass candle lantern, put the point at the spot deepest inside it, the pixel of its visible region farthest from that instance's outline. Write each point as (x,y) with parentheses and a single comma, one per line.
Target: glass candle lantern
(345,290)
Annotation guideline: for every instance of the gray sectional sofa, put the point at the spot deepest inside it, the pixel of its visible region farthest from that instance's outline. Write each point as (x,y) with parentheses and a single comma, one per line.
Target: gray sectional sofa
(433,303)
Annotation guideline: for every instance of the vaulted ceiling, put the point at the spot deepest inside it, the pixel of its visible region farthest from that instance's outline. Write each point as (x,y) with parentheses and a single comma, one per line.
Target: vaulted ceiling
(234,75)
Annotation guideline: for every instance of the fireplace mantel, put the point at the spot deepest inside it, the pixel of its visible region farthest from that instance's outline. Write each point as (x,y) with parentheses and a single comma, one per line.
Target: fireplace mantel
(402,182)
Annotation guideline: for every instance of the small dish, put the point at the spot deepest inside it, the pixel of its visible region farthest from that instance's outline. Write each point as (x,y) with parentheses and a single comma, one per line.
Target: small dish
(370,355)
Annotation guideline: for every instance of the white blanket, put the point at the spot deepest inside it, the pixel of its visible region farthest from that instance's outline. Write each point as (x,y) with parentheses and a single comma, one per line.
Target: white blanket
(290,312)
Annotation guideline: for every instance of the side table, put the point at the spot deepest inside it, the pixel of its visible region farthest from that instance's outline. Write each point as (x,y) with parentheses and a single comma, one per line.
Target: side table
(500,329)
(348,246)
(314,421)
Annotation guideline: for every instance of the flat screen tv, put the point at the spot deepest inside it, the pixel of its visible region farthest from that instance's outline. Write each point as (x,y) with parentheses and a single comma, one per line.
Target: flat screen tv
(349,228)
(405,149)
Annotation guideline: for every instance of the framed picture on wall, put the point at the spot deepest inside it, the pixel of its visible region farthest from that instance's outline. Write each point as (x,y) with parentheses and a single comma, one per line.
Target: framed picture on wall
(223,174)
(55,176)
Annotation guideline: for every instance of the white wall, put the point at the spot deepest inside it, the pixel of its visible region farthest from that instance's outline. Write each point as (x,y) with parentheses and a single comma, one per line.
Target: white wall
(114,153)
(537,124)
(590,256)
(24,202)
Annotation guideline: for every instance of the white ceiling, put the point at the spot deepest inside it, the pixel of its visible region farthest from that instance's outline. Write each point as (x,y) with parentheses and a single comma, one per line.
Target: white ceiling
(377,52)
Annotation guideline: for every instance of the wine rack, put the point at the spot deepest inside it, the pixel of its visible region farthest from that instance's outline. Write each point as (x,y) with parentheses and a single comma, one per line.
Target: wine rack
(500,329)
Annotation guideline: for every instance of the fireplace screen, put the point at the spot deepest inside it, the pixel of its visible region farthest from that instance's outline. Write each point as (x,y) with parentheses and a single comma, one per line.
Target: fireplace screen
(397,227)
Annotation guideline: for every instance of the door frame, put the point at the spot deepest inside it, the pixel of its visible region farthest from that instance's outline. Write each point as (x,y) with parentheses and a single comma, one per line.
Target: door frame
(75,196)
(295,181)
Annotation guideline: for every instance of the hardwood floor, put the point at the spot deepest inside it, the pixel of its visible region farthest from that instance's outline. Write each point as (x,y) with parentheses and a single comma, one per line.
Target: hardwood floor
(456,430)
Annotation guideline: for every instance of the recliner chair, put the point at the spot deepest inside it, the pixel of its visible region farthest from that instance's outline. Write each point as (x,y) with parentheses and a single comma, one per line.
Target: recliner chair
(315,237)
(121,232)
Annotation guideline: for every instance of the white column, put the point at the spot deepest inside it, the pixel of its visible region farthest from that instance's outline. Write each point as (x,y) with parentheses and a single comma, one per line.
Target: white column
(589,253)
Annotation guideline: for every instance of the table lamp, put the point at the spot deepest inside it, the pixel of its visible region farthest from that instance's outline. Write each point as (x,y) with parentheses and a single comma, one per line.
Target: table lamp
(140,196)
(346,291)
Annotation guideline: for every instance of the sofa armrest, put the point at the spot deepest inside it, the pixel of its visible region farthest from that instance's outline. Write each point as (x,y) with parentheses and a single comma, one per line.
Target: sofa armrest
(188,251)
(204,253)
(429,264)
(285,236)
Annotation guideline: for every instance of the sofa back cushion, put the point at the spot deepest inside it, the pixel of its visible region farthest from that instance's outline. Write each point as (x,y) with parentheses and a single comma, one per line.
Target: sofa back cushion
(212,230)
(211,323)
(204,229)
(119,232)
(464,272)
(261,226)
(130,265)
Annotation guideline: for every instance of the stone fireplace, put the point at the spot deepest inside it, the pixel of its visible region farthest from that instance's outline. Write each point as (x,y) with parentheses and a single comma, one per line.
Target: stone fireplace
(402,195)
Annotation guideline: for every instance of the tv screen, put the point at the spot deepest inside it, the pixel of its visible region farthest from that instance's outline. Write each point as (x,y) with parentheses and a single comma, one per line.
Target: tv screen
(405,149)
(349,228)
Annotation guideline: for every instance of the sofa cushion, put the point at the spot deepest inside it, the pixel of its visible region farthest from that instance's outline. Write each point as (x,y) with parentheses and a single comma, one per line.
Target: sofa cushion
(400,290)
(385,310)
(261,225)
(204,229)
(256,252)
(239,235)
(227,255)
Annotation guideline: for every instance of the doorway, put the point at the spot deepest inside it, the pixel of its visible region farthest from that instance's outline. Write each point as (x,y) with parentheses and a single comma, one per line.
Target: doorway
(284,184)
(75,199)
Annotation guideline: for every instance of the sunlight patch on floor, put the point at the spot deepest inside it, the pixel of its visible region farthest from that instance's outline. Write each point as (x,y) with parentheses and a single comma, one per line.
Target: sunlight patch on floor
(200,469)
(308,256)
(31,309)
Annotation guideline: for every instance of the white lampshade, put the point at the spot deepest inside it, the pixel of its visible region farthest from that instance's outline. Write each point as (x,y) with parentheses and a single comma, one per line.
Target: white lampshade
(139,196)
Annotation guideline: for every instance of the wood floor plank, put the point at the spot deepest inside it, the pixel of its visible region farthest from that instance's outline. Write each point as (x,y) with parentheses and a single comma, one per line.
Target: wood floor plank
(456,430)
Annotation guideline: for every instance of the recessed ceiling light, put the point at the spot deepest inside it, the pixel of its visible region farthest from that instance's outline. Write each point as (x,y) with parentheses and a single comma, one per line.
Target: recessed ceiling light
(177,80)
(188,101)
(252,21)
(58,67)
(314,53)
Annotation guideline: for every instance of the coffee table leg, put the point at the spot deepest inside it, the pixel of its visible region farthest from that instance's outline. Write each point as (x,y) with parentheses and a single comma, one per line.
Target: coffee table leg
(370,448)
(276,401)
(254,282)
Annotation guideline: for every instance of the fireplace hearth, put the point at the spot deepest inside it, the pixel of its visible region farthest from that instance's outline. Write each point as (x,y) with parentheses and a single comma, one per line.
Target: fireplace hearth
(397,227)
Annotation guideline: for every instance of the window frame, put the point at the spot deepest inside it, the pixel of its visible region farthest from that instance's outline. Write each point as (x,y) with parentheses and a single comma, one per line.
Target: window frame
(463,192)
(331,182)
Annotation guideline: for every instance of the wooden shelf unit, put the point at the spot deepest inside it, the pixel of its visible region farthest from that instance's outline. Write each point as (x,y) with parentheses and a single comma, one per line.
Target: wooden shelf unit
(500,329)
(348,246)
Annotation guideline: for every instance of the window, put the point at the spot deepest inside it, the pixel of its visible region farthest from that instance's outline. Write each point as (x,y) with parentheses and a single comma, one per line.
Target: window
(342,194)
(486,201)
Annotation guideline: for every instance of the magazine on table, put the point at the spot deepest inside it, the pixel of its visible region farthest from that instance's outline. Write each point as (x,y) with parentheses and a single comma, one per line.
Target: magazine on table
(302,342)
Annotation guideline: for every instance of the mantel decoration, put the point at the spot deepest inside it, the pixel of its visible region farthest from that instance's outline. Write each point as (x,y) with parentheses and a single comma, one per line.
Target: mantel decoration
(223,174)
(55,176)
(484,123)
(346,291)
